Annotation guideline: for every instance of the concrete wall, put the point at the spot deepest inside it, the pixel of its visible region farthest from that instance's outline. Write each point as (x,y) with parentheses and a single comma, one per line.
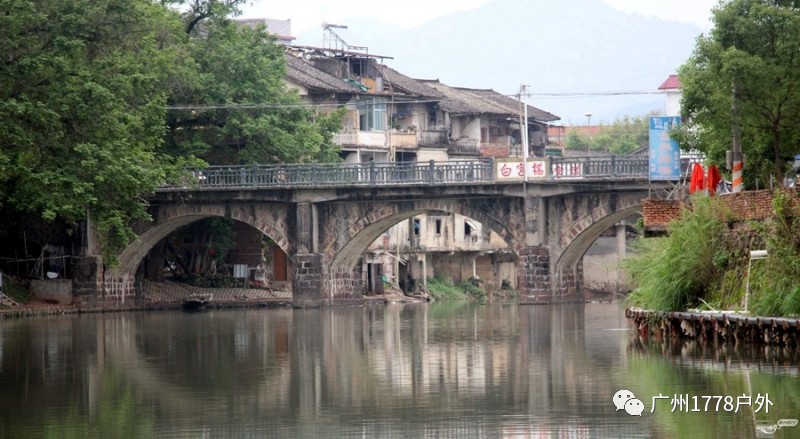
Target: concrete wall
(425,155)
(52,290)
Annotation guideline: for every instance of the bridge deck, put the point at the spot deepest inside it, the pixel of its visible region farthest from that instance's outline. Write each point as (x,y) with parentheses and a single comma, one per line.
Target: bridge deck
(553,169)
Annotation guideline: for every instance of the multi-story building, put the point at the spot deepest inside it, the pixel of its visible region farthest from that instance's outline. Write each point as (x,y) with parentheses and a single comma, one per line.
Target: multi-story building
(394,118)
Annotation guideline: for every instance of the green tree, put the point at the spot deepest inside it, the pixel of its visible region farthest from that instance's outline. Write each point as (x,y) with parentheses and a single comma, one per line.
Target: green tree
(235,107)
(82,95)
(756,44)
(623,136)
(85,88)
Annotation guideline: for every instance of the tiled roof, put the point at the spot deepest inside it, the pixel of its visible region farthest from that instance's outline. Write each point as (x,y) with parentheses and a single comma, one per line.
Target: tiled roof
(513,105)
(408,85)
(459,100)
(672,83)
(303,73)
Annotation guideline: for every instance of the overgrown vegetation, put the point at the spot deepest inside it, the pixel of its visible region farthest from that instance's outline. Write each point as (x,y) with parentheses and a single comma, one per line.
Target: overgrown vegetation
(702,263)
(688,265)
(775,282)
(15,291)
(443,289)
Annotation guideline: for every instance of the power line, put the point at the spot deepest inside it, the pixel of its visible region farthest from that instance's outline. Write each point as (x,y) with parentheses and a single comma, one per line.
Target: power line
(266,105)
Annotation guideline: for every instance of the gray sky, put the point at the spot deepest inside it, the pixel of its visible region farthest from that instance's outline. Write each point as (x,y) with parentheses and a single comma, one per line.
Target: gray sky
(310,14)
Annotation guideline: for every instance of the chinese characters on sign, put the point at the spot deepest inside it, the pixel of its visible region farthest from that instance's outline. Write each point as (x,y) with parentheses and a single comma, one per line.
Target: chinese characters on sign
(514,170)
(665,153)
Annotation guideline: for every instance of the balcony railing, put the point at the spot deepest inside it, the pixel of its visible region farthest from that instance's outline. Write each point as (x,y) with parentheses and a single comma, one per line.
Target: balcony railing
(362,138)
(433,138)
(404,140)
(465,147)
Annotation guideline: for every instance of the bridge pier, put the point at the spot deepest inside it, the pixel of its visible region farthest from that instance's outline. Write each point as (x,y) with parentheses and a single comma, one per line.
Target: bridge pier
(87,279)
(314,283)
(539,283)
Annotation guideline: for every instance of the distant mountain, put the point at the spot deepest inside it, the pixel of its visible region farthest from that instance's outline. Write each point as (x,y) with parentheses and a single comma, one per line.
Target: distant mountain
(554,47)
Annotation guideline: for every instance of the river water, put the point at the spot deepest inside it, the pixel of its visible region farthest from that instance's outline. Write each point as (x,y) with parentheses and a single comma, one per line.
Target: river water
(441,370)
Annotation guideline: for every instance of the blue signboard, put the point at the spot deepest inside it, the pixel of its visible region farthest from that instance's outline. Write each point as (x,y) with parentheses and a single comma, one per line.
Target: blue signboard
(665,154)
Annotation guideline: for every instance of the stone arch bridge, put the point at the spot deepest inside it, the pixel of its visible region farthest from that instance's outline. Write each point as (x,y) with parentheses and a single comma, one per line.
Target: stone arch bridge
(325,220)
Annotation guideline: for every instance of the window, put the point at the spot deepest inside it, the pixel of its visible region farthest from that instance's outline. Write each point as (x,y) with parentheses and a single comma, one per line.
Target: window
(469,227)
(416,226)
(372,115)
(438,226)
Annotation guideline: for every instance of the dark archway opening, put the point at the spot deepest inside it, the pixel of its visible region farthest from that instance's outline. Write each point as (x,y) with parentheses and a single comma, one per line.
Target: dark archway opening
(217,252)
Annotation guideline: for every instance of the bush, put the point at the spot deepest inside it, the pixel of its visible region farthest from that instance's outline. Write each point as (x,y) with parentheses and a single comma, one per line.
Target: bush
(775,282)
(15,290)
(442,289)
(678,271)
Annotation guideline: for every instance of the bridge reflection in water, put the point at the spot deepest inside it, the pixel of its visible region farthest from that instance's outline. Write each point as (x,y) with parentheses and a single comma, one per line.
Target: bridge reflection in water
(422,371)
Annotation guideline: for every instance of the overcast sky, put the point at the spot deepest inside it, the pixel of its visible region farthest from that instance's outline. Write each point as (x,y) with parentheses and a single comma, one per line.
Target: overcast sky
(309,14)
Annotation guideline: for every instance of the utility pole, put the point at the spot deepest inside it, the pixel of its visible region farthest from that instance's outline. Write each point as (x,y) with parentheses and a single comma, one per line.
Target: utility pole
(523,124)
(736,147)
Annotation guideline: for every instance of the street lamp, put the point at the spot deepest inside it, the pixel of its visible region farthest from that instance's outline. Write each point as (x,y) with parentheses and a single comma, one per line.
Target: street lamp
(754,256)
(588,131)
(589,119)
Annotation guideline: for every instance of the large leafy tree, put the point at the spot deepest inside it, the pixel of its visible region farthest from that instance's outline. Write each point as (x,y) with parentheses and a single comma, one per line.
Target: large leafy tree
(86,88)
(235,108)
(83,85)
(754,50)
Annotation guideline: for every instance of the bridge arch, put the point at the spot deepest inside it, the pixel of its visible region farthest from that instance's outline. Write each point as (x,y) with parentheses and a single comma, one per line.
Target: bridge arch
(381,218)
(171,219)
(586,231)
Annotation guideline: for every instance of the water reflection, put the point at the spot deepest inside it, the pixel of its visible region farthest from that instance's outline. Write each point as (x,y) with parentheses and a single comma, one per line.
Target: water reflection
(448,370)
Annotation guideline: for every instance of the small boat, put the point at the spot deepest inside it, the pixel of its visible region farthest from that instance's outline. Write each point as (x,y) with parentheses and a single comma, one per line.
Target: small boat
(197,301)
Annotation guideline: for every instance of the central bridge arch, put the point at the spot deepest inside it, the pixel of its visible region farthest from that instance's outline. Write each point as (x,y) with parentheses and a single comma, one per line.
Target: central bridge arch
(348,241)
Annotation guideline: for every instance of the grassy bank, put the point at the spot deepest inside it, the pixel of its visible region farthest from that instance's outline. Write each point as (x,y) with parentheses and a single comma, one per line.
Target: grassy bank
(444,289)
(702,262)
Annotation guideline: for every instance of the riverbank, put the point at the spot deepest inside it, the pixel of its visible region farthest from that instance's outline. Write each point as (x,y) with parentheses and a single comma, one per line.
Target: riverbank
(718,327)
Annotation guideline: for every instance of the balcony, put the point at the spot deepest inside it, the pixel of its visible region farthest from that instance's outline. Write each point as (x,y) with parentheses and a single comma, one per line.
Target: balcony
(346,137)
(362,138)
(404,140)
(464,146)
(433,138)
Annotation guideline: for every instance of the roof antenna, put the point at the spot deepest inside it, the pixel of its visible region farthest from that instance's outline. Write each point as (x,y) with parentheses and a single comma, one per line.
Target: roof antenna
(332,41)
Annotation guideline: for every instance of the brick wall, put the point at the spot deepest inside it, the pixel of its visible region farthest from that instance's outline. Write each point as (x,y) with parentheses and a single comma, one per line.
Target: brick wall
(742,206)
(658,213)
(494,150)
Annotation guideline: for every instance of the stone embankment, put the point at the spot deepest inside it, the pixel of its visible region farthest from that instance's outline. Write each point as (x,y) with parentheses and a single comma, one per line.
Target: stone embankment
(720,327)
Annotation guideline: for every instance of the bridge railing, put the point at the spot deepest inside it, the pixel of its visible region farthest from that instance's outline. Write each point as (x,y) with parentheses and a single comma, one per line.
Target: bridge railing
(403,173)
(611,166)
(338,175)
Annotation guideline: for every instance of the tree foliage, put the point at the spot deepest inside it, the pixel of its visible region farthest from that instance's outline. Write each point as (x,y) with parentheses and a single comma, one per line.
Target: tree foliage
(756,45)
(85,88)
(624,136)
(82,94)
(253,119)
